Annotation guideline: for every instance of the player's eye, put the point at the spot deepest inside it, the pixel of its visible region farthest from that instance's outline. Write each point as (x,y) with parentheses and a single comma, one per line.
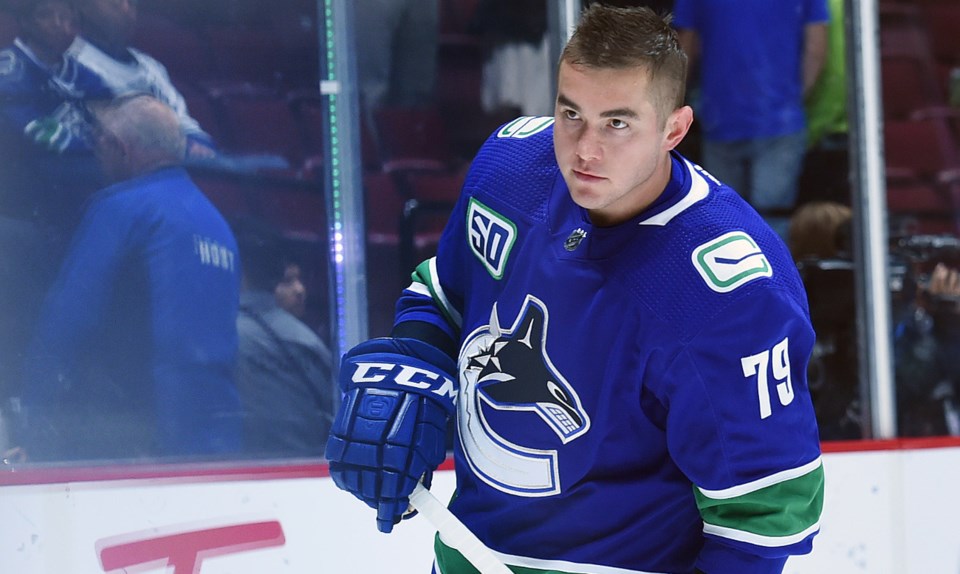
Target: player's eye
(570,114)
(618,124)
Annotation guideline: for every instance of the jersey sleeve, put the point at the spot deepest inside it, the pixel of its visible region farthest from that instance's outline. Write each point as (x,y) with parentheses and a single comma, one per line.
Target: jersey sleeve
(741,426)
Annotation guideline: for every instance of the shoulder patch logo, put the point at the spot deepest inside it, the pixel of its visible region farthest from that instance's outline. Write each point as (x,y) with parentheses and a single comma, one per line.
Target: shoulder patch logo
(730,260)
(525,126)
(491,237)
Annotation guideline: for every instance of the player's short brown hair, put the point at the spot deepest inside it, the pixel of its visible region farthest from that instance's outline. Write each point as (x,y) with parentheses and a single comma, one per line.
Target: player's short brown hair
(618,38)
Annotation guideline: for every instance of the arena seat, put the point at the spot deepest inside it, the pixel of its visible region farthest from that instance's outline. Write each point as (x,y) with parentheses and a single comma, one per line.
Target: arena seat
(245,55)
(298,209)
(943,22)
(902,30)
(907,84)
(258,120)
(309,107)
(921,206)
(412,139)
(924,147)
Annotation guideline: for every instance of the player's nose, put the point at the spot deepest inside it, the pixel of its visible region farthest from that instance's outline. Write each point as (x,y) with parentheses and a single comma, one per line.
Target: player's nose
(588,145)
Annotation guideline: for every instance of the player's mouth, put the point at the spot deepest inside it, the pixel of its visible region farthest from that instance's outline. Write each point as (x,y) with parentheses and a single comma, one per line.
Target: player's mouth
(585,177)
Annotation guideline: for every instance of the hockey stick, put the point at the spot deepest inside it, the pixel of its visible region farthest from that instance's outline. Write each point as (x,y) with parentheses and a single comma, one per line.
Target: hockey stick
(455,533)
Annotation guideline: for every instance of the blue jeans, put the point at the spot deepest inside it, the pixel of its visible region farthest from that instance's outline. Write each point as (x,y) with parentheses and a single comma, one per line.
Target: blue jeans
(764,171)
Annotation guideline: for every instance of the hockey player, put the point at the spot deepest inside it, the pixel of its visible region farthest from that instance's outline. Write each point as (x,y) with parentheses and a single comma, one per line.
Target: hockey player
(621,340)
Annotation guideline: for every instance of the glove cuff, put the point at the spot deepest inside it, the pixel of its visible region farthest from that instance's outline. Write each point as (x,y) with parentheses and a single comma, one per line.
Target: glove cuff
(401,364)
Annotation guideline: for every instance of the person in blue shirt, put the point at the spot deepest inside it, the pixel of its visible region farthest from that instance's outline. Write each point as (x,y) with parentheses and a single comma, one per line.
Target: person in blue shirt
(136,343)
(620,341)
(757,60)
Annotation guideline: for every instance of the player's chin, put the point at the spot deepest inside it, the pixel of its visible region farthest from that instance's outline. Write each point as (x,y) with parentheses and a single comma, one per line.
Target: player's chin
(587,197)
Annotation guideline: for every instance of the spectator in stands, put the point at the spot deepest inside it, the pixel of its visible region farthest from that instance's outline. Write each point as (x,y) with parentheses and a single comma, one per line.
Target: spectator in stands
(926,331)
(48,167)
(757,61)
(818,243)
(396,52)
(817,229)
(104,47)
(137,341)
(283,368)
(291,293)
(926,341)
(825,172)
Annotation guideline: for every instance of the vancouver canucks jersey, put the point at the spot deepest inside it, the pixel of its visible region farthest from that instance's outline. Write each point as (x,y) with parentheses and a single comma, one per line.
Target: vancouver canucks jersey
(632,399)
(36,181)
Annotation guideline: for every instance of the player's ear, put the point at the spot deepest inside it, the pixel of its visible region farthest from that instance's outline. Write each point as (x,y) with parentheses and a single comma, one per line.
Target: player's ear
(677,125)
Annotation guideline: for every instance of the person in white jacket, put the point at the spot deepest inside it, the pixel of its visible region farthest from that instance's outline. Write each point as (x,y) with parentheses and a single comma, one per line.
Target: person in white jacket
(104,47)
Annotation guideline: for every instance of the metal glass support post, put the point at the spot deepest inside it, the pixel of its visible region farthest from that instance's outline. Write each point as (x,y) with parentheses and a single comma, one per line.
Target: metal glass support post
(562,17)
(343,187)
(875,334)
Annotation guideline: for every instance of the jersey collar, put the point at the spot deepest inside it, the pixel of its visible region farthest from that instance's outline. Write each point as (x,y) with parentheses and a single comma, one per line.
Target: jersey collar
(687,186)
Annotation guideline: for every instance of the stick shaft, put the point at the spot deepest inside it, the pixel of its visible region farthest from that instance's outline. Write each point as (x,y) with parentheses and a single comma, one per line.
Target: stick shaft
(455,533)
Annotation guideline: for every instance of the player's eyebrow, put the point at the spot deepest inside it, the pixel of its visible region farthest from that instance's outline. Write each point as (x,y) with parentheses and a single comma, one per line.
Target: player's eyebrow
(566,102)
(614,113)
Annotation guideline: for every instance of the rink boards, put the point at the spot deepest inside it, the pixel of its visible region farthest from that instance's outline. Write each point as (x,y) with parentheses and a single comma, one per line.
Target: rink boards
(890,507)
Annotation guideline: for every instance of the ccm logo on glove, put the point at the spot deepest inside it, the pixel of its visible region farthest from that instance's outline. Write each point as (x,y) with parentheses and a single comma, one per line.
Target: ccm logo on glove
(405,376)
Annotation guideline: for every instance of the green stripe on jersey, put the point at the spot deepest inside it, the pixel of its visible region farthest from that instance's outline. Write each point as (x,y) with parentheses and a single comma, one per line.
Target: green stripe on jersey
(451,561)
(777,514)
(425,275)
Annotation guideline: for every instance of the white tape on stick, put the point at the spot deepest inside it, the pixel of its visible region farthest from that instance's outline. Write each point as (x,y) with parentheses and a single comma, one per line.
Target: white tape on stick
(455,533)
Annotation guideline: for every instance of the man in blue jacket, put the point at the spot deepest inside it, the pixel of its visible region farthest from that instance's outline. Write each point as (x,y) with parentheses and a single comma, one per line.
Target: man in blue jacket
(136,343)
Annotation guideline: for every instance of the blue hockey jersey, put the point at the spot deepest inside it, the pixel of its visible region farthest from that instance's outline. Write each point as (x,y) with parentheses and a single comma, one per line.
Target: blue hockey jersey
(632,399)
(38,182)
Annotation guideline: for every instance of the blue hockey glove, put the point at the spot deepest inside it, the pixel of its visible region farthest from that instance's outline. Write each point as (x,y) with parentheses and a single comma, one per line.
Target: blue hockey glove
(390,430)
(50,133)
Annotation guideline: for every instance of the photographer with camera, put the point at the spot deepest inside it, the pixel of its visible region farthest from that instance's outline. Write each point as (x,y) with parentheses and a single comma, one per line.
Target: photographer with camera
(925,285)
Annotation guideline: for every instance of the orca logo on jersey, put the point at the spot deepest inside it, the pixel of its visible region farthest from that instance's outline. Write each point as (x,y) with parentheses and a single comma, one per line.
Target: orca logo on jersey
(509,370)
(491,237)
